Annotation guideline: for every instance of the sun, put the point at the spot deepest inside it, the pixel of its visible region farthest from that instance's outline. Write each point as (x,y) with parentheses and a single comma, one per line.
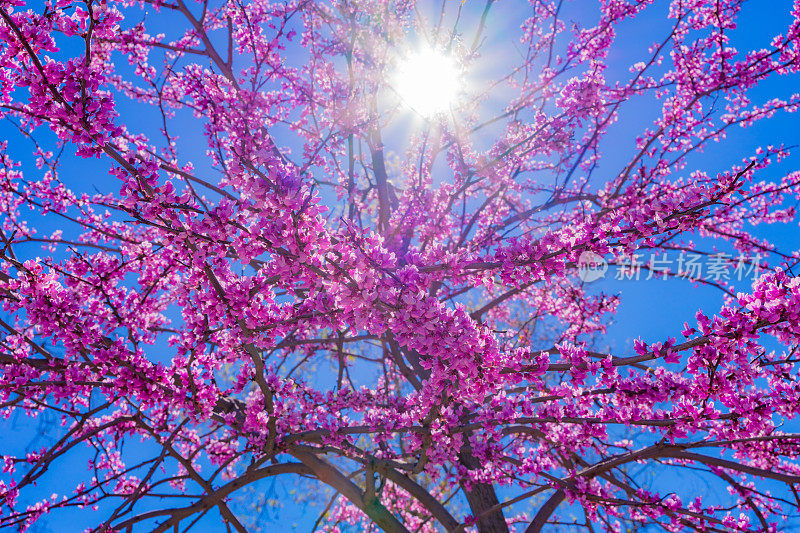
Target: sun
(428,81)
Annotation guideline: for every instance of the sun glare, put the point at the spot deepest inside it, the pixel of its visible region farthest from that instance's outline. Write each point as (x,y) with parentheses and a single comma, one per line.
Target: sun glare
(428,82)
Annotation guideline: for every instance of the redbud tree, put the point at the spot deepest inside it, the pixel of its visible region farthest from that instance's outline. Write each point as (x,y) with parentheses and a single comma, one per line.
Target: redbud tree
(232,249)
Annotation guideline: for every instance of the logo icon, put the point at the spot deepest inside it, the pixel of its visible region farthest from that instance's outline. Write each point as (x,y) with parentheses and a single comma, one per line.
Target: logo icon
(591,267)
